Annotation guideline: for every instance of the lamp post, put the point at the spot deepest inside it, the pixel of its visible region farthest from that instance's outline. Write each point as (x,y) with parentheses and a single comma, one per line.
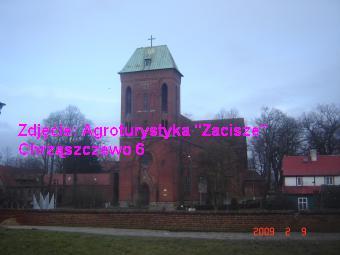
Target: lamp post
(94,191)
(1,105)
(190,175)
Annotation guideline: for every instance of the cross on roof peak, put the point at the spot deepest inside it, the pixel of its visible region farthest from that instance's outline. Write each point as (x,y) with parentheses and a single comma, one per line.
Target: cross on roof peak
(150,39)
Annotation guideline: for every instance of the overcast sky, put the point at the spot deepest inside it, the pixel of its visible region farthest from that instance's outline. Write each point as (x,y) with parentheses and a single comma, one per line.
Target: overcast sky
(240,54)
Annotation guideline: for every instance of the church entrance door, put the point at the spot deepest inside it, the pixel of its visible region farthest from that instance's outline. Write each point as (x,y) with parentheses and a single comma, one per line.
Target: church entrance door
(144,195)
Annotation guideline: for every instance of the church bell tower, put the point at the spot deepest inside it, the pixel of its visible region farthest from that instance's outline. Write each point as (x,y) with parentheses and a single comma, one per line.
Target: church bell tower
(150,96)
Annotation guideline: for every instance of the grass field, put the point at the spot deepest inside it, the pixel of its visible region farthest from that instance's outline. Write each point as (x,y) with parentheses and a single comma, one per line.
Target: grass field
(40,242)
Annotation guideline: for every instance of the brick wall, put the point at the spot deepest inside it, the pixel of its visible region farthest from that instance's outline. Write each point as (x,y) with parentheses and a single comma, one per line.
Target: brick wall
(179,221)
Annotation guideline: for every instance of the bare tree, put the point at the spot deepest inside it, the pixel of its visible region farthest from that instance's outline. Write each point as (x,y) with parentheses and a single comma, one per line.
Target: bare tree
(281,137)
(188,115)
(29,162)
(7,156)
(224,114)
(218,163)
(72,118)
(321,129)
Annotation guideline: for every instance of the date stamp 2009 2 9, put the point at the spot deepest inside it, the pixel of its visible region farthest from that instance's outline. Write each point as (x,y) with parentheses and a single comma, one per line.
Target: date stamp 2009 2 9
(270,231)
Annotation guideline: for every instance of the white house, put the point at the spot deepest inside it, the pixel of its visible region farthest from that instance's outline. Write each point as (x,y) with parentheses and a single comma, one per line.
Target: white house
(304,176)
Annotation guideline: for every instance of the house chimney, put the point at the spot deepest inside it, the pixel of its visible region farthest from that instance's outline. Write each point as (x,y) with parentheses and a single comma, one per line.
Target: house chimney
(313,155)
(305,159)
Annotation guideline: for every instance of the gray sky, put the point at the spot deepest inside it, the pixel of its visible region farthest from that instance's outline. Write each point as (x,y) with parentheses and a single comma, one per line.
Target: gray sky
(241,54)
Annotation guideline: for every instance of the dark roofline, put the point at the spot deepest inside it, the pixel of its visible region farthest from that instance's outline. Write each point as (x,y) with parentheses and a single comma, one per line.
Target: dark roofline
(221,120)
(154,70)
(319,155)
(182,116)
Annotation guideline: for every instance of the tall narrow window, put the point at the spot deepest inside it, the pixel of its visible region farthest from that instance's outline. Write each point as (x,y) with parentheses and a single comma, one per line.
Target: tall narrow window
(128,101)
(128,126)
(164,123)
(146,102)
(164,98)
(176,99)
(299,181)
(188,184)
(145,123)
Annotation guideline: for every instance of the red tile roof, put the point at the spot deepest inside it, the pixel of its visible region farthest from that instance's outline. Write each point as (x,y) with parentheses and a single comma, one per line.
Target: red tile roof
(82,179)
(99,179)
(9,176)
(6,178)
(299,166)
(108,166)
(301,189)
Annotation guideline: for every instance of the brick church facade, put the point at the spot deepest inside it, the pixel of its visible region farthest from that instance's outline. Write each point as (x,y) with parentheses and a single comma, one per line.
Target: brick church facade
(172,172)
(189,171)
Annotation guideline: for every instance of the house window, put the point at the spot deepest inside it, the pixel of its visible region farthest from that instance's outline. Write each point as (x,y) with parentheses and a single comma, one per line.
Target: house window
(302,203)
(329,180)
(202,184)
(299,181)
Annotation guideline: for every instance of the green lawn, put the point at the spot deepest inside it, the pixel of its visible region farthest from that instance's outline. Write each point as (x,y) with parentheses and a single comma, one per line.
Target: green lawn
(40,242)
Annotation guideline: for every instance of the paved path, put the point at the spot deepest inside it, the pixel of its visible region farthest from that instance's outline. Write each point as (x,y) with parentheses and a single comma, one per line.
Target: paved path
(172,234)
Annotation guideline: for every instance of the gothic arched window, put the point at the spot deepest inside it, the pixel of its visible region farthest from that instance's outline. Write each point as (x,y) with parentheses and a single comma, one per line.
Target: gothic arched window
(128,100)
(145,102)
(164,98)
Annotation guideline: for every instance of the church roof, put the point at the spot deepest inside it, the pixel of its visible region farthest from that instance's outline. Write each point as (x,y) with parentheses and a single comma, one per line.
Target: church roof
(150,58)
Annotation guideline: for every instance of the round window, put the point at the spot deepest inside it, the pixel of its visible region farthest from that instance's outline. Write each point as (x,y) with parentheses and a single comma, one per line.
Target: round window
(146,159)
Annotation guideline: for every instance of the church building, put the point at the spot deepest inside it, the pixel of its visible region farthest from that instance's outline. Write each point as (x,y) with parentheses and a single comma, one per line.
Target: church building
(181,170)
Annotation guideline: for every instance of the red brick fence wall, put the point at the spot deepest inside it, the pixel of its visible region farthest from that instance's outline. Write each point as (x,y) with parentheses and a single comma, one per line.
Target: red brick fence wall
(178,221)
